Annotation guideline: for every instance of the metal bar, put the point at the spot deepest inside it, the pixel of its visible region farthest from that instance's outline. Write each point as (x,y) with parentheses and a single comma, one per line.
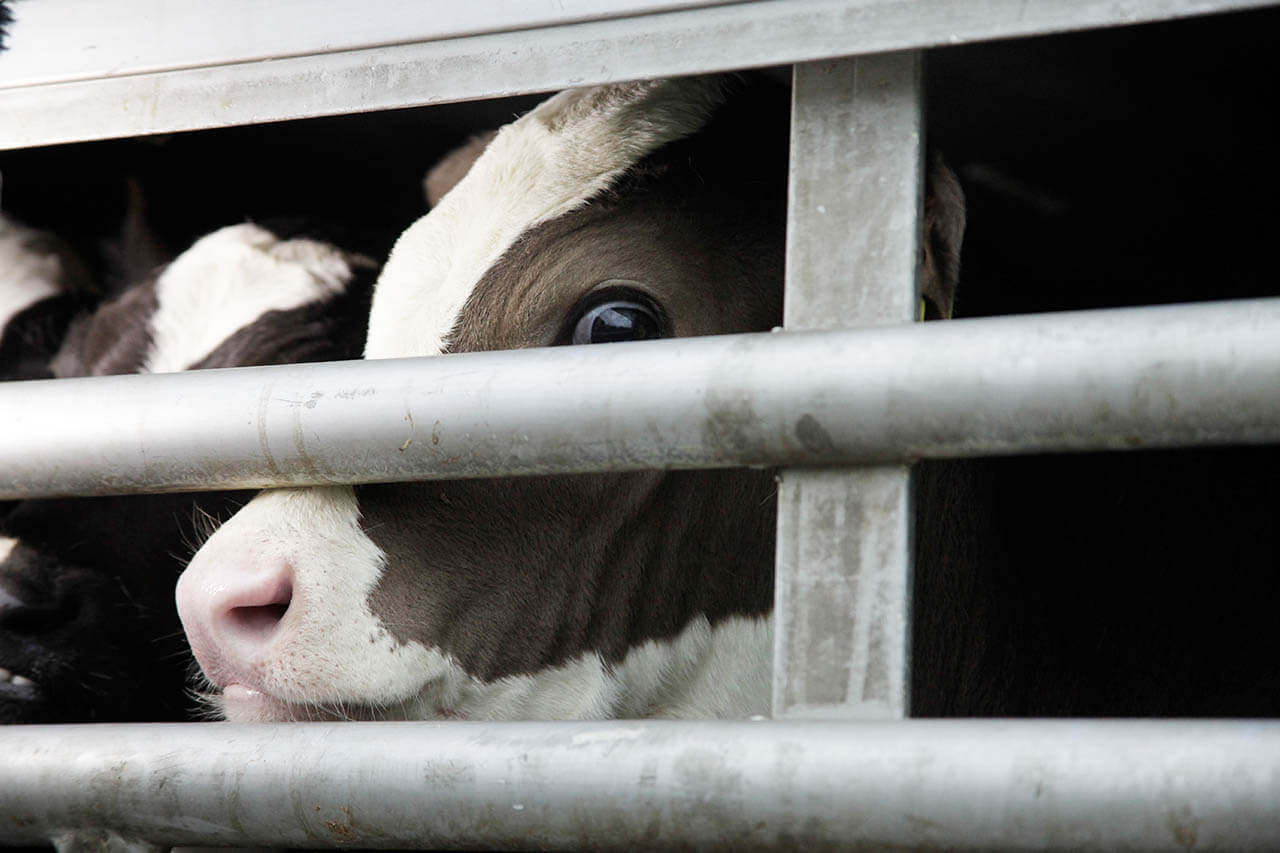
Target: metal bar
(1142,377)
(741,35)
(854,193)
(731,785)
(842,600)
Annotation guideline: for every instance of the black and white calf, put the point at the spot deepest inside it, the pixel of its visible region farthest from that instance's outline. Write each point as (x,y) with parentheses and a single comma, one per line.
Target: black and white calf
(88,631)
(625,212)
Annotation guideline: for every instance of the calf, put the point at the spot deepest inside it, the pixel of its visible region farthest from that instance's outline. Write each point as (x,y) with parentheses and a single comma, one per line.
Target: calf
(87,626)
(620,213)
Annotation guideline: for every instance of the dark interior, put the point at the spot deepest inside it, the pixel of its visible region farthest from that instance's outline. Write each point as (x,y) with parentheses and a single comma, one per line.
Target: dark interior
(1114,168)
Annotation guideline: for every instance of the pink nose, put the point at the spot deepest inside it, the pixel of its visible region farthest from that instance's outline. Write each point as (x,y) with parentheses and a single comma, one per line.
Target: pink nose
(232,610)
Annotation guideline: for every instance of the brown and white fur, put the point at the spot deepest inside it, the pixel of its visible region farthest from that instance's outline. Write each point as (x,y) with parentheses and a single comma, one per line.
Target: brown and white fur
(610,595)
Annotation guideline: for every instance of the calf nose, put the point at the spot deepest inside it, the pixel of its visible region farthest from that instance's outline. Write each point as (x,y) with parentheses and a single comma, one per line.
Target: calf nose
(232,610)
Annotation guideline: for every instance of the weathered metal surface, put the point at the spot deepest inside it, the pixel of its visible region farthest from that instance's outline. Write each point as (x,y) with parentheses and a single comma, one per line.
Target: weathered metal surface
(1144,377)
(852,232)
(85,39)
(650,784)
(740,35)
(842,610)
(842,607)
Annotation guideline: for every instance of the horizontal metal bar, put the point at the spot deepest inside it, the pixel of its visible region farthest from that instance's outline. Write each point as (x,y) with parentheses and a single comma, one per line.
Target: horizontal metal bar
(741,35)
(732,785)
(1146,377)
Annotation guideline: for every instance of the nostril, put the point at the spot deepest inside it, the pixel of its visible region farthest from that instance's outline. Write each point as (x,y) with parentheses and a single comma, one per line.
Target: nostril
(258,620)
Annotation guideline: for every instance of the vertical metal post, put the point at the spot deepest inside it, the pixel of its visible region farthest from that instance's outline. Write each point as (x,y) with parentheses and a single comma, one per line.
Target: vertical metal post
(842,607)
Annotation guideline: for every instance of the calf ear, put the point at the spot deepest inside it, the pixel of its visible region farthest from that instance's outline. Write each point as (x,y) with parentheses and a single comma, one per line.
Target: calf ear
(138,254)
(455,165)
(942,235)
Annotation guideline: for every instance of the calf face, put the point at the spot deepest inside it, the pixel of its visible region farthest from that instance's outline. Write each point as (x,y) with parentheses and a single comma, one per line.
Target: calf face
(619,213)
(88,631)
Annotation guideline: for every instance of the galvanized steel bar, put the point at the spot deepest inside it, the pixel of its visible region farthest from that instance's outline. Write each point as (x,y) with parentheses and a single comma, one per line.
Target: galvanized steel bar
(622,785)
(852,232)
(842,608)
(1143,377)
(740,35)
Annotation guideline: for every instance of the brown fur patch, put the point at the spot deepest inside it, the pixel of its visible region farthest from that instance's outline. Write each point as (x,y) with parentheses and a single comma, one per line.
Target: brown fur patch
(510,576)
(514,575)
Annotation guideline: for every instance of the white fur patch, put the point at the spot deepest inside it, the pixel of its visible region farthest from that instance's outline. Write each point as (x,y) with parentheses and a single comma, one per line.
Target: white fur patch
(27,273)
(228,279)
(703,672)
(541,166)
(721,670)
(7,544)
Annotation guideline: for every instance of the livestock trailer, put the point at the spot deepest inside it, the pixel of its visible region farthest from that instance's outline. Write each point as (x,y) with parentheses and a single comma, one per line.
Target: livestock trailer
(1166,88)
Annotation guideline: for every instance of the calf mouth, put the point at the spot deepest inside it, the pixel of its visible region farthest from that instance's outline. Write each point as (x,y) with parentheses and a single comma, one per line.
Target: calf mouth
(24,696)
(15,687)
(22,655)
(55,670)
(239,703)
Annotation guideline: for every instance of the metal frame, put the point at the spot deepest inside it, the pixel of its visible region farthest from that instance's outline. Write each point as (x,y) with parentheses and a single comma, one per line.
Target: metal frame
(692,41)
(843,584)
(843,571)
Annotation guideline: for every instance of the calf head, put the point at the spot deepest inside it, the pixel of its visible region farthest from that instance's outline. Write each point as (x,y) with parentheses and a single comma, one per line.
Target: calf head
(620,213)
(88,631)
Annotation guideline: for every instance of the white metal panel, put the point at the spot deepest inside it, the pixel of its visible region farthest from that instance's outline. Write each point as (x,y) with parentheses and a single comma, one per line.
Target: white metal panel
(842,608)
(61,40)
(741,35)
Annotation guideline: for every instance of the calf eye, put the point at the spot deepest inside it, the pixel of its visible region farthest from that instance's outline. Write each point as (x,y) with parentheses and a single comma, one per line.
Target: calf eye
(617,312)
(617,320)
